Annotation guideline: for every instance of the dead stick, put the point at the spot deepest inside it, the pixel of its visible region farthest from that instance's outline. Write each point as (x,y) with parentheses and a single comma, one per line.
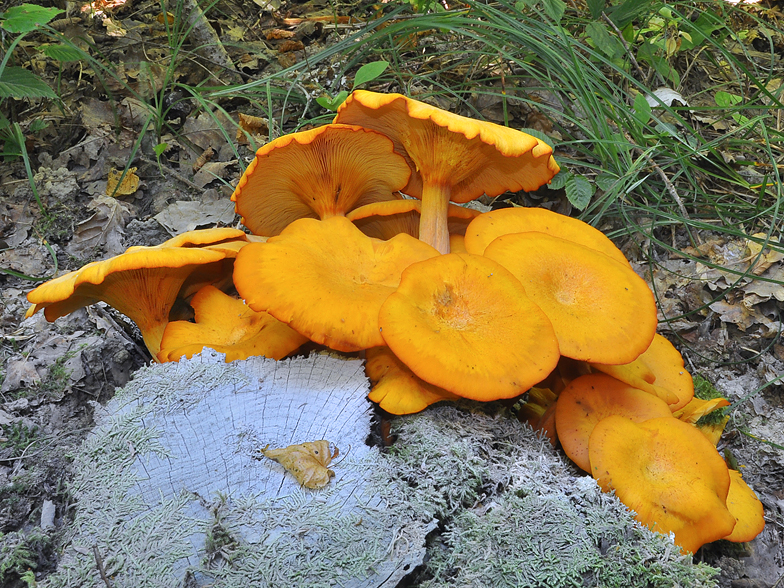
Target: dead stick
(625,45)
(99,565)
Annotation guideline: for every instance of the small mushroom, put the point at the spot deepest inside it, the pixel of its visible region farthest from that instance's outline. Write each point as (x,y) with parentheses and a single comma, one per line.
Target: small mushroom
(744,505)
(386,219)
(490,225)
(142,283)
(451,157)
(396,389)
(464,323)
(319,173)
(600,309)
(668,473)
(229,326)
(326,279)
(589,399)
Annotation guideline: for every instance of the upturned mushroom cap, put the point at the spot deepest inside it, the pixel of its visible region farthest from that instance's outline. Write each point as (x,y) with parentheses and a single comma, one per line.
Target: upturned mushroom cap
(326,279)
(744,505)
(319,173)
(600,309)
(589,399)
(227,325)
(488,226)
(386,219)
(666,472)
(396,389)
(464,323)
(142,283)
(451,157)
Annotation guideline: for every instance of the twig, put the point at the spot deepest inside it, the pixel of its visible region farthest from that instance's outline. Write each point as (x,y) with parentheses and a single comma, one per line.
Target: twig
(99,565)
(625,45)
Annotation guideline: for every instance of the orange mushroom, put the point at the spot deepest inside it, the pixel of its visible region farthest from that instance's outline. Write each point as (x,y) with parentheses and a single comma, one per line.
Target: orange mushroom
(451,157)
(386,219)
(326,279)
(464,323)
(668,473)
(539,412)
(600,309)
(319,173)
(744,505)
(396,389)
(589,399)
(490,225)
(142,283)
(228,326)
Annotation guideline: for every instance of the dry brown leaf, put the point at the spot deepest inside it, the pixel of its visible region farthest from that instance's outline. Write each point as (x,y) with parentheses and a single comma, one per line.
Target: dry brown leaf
(764,259)
(307,462)
(278,34)
(289,46)
(129,185)
(255,126)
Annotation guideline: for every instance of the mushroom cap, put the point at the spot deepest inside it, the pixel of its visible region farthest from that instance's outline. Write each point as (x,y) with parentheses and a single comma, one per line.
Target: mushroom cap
(318,173)
(326,279)
(202,237)
(600,309)
(589,399)
(474,157)
(666,363)
(227,325)
(668,473)
(488,226)
(464,323)
(396,388)
(697,408)
(744,505)
(142,283)
(386,219)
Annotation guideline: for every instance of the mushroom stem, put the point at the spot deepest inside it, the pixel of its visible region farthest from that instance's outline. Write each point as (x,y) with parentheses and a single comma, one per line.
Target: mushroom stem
(433,228)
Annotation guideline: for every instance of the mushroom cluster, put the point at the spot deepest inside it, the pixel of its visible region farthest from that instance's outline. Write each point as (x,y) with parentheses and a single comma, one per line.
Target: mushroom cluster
(444,302)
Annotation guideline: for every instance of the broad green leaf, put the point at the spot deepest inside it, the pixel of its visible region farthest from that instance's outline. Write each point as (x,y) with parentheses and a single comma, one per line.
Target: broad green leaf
(626,11)
(539,135)
(332,103)
(63,53)
(19,83)
(554,9)
(160,148)
(596,7)
(606,181)
(602,38)
(705,25)
(26,17)
(369,72)
(560,179)
(642,110)
(579,191)
(726,100)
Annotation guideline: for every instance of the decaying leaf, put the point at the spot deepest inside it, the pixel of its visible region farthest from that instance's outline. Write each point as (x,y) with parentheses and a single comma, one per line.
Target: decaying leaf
(128,186)
(253,125)
(307,462)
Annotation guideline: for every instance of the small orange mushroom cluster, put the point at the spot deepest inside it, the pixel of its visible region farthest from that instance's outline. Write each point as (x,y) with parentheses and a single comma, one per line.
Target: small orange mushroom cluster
(445,302)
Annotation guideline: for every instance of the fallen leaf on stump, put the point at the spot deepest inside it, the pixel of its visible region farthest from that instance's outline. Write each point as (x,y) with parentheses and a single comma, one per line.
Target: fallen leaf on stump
(307,462)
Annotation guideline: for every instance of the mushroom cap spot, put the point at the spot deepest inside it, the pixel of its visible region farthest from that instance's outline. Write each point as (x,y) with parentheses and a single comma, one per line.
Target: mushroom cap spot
(589,399)
(490,225)
(383,220)
(318,173)
(744,505)
(600,309)
(668,473)
(142,283)
(472,157)
(463,323)
(326,279)
(396,388)
(228,326)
